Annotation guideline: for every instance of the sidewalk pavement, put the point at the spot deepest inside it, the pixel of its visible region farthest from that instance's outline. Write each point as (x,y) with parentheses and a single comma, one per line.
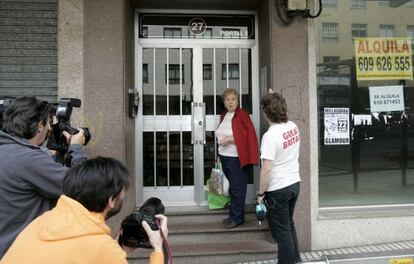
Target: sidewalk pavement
(392,253)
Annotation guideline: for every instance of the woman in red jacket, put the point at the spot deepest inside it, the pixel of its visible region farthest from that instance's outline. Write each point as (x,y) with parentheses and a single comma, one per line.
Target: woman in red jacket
(238,151)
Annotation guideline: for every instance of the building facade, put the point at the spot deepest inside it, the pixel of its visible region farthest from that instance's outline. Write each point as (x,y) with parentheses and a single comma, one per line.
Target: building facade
(150,75)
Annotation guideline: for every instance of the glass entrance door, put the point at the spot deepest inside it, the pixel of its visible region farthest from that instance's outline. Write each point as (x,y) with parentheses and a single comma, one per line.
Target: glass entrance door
(179,111)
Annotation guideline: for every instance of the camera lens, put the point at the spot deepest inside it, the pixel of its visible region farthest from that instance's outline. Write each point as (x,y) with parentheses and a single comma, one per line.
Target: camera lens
(133,234)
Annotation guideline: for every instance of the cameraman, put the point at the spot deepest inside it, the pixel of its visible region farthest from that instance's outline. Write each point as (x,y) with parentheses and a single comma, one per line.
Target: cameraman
(75,230)
(30,180)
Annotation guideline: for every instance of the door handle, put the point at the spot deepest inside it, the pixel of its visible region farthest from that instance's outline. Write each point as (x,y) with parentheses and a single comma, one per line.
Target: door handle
(204,122)
(192,123)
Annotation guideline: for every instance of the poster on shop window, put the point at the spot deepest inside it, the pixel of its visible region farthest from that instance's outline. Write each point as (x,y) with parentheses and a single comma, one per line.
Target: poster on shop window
(336,122)
(383,59)
(386,98)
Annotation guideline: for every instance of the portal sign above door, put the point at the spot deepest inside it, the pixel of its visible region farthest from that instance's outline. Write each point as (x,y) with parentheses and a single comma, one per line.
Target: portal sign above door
(196,26)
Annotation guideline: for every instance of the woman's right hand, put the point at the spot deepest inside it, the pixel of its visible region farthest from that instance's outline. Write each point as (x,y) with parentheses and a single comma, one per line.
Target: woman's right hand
(225,141)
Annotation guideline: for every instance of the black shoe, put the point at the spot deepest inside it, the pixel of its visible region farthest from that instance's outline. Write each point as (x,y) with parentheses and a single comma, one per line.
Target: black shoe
(227,220)
(230,225)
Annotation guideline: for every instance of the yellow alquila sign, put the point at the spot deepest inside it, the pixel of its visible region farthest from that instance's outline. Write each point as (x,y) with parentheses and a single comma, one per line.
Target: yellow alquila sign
(383,59)
(401,261)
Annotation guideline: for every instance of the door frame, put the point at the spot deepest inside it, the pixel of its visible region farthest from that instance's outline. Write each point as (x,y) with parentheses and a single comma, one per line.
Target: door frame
(199,196)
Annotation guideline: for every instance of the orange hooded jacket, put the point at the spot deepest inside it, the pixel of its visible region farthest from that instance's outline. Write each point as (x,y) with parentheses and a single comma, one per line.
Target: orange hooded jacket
(68,234)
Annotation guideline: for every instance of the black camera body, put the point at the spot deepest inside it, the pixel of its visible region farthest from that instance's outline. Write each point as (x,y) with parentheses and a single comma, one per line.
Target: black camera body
(57,141)
(63,113)
(133,234)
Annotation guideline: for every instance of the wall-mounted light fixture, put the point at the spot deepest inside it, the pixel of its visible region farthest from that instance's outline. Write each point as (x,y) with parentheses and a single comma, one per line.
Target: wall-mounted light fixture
(287,10)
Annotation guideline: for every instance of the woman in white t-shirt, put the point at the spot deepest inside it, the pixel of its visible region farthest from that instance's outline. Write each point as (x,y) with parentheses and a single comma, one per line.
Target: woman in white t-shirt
(279,176)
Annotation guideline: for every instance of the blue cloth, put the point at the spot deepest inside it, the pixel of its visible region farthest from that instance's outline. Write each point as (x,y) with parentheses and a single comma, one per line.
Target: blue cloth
(281,205)
(238,178)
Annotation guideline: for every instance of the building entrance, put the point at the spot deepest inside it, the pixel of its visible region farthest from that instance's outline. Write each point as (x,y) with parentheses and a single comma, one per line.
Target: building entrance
(180,82)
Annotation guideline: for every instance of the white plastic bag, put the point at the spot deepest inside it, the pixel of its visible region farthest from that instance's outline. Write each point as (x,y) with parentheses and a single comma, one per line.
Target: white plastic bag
(226,185)
(218,182)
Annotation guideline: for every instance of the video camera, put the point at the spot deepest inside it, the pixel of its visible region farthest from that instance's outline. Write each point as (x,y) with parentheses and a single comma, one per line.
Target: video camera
(133,234)
(57,141)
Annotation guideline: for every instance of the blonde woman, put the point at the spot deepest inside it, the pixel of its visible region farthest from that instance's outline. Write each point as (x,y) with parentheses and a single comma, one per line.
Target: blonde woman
(238,151)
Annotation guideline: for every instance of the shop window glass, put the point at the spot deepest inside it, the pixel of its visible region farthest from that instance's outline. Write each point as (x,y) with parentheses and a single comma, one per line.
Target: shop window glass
(383,2)
(386,31)
(144,32)
(208,34)
(207,72)
(359,30)
(330,63)
(172,32)
(410,31)
(233,71)
(330,31)
(329,3)
(174,74)
(366,146)
(145,73)
(358,3)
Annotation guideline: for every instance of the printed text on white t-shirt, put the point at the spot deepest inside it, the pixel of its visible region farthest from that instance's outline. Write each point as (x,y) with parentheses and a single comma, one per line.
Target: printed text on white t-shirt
(291,137)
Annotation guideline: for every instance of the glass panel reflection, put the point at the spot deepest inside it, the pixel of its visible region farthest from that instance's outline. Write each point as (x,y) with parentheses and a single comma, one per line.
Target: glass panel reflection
(148,81)
(162,161)
(174,80)
(239,66)
(209,154)
(175,159)
(161,158)
(188,159)
(175,162)
(208,80)
(246,79)
(185,163)
(160,83)
(233,68)
(148,158)
(187,89)
(221,84)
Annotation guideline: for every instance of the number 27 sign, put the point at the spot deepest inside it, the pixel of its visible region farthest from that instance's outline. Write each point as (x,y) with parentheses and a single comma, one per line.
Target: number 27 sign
(197,26)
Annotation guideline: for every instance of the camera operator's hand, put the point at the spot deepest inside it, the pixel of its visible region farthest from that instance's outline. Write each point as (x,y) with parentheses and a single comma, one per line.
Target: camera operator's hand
(163,224)
(78,138)
(155,236)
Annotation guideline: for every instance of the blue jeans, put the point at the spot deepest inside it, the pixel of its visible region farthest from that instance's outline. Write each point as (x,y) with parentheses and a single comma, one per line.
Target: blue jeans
(238,185)
(280,206)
